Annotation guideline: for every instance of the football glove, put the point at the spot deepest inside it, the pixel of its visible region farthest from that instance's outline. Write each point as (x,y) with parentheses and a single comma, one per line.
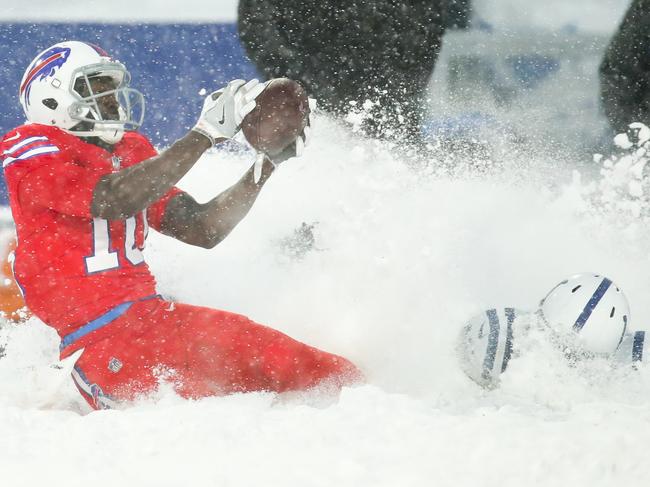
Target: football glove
(224,109)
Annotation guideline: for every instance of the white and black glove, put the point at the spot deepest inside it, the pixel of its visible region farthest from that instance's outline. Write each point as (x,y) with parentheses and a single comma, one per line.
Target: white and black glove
(224,109)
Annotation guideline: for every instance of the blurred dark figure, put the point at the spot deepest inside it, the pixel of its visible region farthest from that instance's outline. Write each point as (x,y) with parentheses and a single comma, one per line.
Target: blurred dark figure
(346,52)
(459,13)
(625,70)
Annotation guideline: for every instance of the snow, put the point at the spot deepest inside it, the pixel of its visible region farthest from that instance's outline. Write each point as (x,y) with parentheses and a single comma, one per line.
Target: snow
(404,257)
(404,253)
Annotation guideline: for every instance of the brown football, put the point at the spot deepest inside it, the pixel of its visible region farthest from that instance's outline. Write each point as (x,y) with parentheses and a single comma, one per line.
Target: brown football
(281,112)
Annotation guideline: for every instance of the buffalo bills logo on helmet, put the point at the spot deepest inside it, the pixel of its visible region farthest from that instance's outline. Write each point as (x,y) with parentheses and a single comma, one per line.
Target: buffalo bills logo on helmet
(44,67)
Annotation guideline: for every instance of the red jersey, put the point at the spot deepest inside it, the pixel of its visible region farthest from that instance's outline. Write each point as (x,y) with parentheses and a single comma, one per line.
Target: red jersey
(72,267)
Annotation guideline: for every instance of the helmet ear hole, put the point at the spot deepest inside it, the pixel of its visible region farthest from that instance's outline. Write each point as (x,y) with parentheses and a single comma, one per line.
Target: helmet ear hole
(51,103)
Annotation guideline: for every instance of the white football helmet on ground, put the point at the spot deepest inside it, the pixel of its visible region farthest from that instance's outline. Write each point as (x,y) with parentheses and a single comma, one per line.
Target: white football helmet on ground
(588,310)
(56,90)
(486,344)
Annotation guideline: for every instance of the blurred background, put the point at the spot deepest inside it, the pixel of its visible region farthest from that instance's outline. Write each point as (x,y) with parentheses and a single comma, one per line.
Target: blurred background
(518,61)
(521,67)
(519,71)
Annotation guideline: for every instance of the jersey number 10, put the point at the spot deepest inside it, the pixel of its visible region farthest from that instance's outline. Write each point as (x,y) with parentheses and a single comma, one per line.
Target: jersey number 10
(103,258)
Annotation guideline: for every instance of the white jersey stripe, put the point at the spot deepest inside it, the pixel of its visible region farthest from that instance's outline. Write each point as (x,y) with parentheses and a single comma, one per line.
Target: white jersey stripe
(37,151)
(96,393)
(23,143)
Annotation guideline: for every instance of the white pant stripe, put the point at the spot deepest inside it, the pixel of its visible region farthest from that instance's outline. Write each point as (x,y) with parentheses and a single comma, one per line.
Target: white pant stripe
(94,391)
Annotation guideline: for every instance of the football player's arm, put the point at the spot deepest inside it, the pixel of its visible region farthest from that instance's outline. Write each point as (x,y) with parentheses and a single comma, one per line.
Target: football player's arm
(127,192)
(207,224)
(124,193)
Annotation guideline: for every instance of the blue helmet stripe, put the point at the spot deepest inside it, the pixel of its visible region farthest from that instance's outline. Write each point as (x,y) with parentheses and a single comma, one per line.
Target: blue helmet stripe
(591,304)
(624,330)
(510,316)
(637,346)
(493,342)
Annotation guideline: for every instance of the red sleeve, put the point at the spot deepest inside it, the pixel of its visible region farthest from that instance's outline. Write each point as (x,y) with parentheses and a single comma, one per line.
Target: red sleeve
(156,212)
(60,185)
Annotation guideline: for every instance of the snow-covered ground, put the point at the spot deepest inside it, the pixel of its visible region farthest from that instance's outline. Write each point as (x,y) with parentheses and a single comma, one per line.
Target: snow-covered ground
(403,255)
(402,258)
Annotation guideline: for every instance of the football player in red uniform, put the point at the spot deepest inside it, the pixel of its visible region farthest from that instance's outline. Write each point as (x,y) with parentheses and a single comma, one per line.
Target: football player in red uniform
(85,187)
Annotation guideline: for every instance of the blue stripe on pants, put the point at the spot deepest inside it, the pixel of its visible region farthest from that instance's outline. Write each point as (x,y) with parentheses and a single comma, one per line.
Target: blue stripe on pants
(94,325)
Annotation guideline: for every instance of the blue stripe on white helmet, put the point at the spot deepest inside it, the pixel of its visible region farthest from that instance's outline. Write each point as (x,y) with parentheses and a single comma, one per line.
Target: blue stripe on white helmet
(486,344)
(588,310)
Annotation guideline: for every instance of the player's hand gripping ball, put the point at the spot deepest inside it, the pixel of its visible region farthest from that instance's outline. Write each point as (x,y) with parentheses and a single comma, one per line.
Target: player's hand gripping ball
(281,114)
(225,109)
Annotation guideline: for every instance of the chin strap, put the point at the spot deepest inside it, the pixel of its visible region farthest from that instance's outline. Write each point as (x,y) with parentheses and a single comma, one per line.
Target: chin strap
(108,135)
(111,136)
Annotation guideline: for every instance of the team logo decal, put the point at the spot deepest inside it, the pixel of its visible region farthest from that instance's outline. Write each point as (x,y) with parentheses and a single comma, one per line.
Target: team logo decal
(117,162)
(114,365)
(44,67)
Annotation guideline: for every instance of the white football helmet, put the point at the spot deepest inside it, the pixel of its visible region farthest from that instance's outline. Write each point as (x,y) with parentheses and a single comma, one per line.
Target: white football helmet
(589,308)
(56,90)
(486,345)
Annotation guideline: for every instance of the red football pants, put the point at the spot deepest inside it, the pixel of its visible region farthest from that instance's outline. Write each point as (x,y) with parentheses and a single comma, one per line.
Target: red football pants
(202,352)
